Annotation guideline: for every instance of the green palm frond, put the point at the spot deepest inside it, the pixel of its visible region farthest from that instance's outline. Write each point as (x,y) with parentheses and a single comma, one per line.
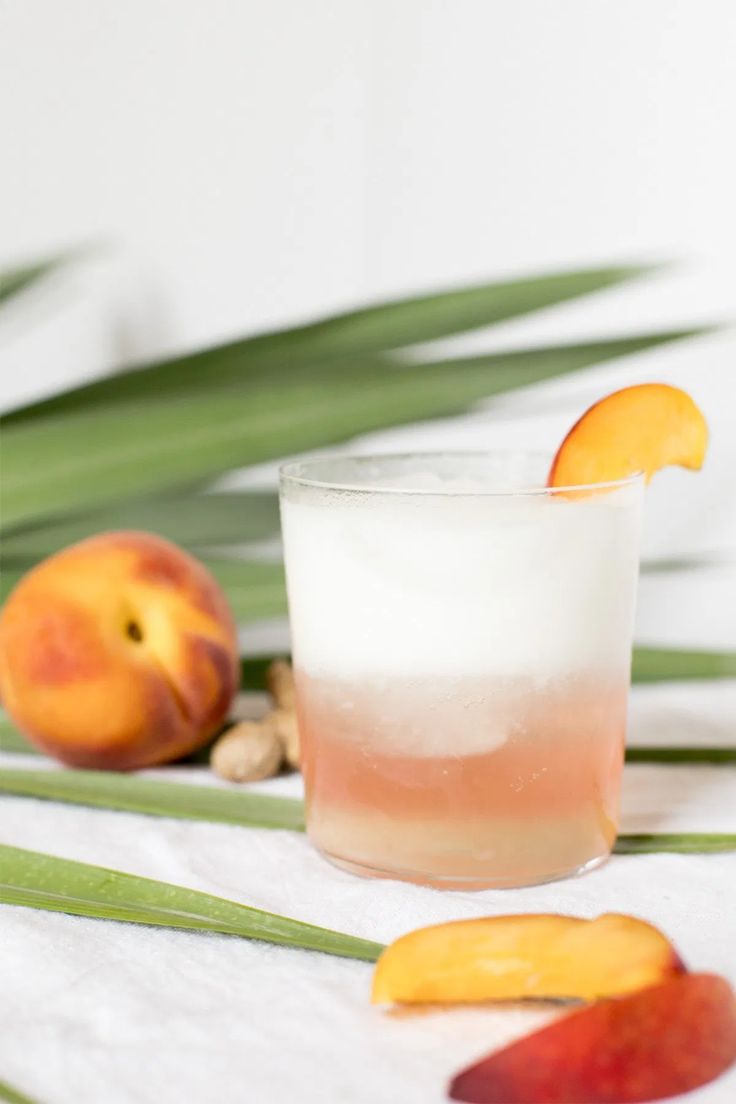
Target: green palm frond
(343,337)
(195,521)
(84,459)
(36,880)
(14,1096)
(238,806)
(20,278)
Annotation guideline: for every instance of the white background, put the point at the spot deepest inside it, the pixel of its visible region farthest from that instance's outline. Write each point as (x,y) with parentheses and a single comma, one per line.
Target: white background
(243,163)
(252,162)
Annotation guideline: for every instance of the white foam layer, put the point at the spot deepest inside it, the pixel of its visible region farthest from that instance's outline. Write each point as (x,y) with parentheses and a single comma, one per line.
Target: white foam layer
(417,585)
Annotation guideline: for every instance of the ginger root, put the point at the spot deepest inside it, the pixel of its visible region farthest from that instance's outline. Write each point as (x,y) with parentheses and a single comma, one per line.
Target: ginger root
(248,752)
(280,684)
(253,750)
(285,725)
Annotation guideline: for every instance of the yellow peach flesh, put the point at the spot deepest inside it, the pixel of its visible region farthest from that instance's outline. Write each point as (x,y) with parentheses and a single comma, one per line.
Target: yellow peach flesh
(530,956)
(637,429)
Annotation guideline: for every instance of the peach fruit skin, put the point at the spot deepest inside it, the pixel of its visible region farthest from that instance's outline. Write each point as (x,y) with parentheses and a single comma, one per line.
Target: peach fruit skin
(118,653)
(652,1045)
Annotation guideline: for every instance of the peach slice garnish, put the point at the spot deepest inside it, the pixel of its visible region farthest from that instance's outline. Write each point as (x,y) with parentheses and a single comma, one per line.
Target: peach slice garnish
(513,957)
(665,1040)
(638,429)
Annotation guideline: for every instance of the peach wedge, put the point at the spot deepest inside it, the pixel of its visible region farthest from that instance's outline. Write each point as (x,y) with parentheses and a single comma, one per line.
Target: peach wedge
(514,957)
(637,429)
(652,1045)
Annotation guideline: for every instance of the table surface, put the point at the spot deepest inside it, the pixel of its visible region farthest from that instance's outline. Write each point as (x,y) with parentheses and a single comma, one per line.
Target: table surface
(95,1011)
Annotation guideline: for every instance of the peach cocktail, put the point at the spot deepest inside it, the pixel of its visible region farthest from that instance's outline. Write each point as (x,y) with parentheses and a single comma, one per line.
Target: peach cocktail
(461,636)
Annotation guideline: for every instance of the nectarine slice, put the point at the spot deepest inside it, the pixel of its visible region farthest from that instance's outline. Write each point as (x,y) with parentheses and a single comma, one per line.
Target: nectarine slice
(512,957)
(637,429)
(662,1041)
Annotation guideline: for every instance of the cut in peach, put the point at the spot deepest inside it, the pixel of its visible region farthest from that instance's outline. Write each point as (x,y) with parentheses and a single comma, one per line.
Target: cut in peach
(637,429)
(513,957)
(666,1040)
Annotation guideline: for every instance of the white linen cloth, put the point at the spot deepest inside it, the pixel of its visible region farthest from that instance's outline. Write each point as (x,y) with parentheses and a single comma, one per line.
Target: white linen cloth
(99,1012)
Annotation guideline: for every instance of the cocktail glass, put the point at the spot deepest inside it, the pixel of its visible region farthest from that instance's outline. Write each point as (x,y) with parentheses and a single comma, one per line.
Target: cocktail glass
(461,639)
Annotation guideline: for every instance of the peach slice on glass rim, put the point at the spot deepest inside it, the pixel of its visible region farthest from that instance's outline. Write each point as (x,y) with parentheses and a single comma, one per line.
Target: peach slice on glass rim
(638,429)
(652,1045)
(529,956)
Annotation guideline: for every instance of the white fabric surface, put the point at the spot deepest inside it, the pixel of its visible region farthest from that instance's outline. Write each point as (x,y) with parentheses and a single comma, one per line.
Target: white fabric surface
(95,1011)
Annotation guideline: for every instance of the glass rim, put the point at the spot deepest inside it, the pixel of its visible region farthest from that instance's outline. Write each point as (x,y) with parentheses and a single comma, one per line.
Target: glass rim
(293,473)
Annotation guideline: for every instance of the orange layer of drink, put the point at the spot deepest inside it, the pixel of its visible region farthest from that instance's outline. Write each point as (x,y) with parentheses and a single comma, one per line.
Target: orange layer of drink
(462,782)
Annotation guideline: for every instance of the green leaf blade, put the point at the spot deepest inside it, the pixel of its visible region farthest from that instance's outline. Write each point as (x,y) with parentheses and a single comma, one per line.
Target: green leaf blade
(155,797)
(13,1096)
(429,317)
(36,880)
(683,843)
(84,460)
(14,281)
(197,522)
(255,590)
(674,664)
(683,755)
(12,740)
(177,799)
(367,331)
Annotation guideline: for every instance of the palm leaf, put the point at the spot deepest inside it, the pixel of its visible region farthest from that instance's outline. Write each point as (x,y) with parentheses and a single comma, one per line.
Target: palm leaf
(11,740)
(371,330)
(13,1096)
(253,671)
(682,754)
(130,793)
(15,280)
(512,369)
(191,802)
(697,561)
(195,521)
(671,664)
(35,880)
(255,589)
(81,460)
(682,843)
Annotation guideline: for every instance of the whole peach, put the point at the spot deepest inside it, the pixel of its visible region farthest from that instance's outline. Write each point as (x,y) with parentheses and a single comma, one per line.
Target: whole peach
(118,652)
